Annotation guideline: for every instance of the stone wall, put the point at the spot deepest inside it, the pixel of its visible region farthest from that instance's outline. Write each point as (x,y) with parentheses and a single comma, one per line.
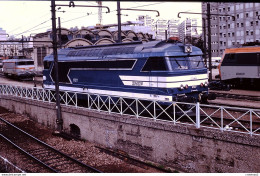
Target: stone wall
(182,147)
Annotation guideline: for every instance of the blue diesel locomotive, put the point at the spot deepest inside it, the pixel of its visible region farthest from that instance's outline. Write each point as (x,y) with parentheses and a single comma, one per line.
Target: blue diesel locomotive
(157,70)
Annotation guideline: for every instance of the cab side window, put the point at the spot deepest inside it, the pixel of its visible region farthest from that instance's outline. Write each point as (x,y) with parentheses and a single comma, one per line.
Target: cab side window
(155,64)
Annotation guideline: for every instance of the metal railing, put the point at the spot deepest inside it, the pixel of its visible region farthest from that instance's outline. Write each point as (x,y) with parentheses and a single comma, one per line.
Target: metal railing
(241,120)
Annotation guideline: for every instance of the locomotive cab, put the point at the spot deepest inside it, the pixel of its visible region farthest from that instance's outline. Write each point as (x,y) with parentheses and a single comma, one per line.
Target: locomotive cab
(240,67)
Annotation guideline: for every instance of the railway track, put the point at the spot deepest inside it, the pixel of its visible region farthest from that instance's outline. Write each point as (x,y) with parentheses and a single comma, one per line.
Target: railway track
(238,96)
(39,155)
(134,161)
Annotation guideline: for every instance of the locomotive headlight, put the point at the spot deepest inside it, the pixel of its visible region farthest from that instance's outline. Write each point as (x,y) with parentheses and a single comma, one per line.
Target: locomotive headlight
(201,84)
(206,84)
(44,78)
(188,49)
(186,86)
(181,87)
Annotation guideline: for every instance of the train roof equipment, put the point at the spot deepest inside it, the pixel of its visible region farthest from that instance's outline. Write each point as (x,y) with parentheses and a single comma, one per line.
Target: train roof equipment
(122,50)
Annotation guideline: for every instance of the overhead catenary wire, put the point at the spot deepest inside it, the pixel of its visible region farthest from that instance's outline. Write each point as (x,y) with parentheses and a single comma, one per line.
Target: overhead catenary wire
(27,23)
(33,28)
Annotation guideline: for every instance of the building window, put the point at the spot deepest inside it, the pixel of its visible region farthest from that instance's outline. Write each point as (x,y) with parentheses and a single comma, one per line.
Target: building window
(233,34)
(256,23)
(252,23)
(228,8)
(242,24)
(237,24)
(41,53)
(252,32)
(224,35)
(251,14)
(228,26)
(228,34)
(220,27)
(256,13)
(237,16)
(247,32)
(246,15)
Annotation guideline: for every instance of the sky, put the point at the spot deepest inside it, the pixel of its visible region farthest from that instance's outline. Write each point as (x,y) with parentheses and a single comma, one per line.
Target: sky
(30,17)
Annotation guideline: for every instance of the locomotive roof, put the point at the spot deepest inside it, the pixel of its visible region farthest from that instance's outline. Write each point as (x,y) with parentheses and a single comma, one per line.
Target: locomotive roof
(247,49)
(123,50)
(17,60)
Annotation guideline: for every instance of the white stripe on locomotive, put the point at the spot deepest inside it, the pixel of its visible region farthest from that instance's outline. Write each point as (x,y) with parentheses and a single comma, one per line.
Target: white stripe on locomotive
(113,93)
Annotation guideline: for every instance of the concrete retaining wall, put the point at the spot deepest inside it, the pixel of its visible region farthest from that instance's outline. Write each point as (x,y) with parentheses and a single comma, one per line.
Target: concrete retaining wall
(182,147)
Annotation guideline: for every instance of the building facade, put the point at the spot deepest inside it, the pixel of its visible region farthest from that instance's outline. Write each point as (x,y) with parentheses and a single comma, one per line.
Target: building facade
(173,28)
(20,46)
(187,30)
(3,35)
(227,32)
(163,28)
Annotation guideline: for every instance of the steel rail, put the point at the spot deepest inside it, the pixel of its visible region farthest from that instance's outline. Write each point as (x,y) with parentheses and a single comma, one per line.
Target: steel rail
(28,154)
(45,144)
(238,96)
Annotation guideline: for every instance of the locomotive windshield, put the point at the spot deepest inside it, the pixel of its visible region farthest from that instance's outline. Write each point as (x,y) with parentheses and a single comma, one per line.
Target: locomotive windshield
(183,63)
(196,62)
(179,63)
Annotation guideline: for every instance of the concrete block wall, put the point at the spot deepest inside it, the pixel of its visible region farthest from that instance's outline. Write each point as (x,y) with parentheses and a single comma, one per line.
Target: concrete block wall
(178,146)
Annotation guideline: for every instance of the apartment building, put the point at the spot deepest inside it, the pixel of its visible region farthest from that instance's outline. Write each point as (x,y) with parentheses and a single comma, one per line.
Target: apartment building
(173,28)
(188,29)
(226,32)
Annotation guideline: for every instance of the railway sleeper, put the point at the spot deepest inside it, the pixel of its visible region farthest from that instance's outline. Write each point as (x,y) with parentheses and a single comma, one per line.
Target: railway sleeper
(36,153)
(77,170)
(58,163)
(37,149)
(46,158)
(66,167)
(49,158)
